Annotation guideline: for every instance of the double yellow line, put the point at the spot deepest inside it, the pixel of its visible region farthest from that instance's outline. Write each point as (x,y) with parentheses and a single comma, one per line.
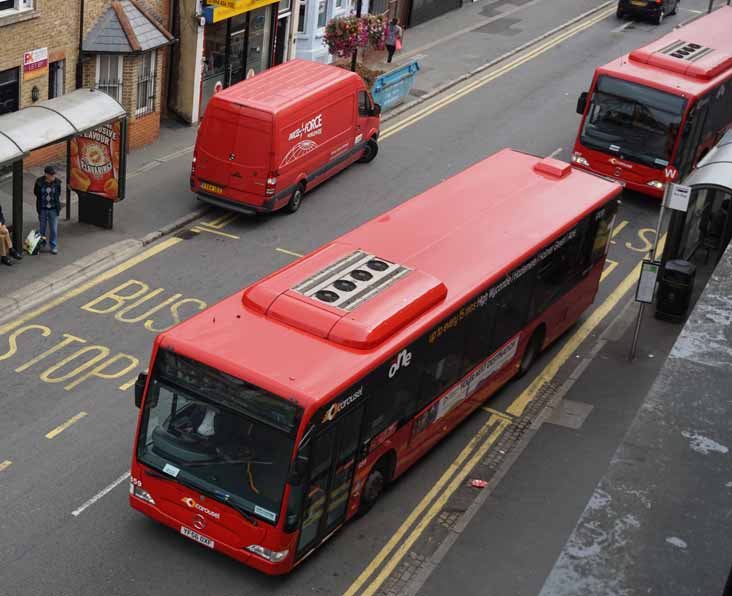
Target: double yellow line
(499,72)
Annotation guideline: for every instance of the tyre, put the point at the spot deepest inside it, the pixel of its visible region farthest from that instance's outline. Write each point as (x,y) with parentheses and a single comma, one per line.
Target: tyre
(370,151)
(531,353)
(659,18)
(296,199)
(374,486)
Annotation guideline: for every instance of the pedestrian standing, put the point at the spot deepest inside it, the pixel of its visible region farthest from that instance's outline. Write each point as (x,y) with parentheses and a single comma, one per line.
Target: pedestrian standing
(6,244)
(48,204)
(392,37)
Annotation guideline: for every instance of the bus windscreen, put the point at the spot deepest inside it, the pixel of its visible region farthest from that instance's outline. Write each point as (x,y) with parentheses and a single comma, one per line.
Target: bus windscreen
(218,434)
(636,122)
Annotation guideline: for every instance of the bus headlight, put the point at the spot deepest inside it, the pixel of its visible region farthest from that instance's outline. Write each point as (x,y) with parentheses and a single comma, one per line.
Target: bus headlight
(578,159)
(265,553)
(141,494)
(655,184)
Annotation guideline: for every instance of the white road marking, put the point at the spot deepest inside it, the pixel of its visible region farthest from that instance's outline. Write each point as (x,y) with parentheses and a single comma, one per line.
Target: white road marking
(555,152)
(622,27)
(100,494)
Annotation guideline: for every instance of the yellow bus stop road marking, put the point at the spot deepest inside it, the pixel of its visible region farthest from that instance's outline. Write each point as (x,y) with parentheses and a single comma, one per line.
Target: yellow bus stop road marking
(199,229)
(59,429)
(5,465)
(101,278)
(515,409)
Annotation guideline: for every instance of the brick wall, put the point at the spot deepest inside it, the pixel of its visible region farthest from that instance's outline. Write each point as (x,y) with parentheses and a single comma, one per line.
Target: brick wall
(54,24)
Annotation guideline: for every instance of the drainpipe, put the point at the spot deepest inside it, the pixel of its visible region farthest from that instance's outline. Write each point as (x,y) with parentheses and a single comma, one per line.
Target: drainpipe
(79,65)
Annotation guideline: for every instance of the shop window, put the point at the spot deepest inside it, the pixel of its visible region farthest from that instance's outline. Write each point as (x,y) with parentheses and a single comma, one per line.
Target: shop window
(9,90)
(146,84)
(56,79)
(322,13)
(284,6)
(109,75)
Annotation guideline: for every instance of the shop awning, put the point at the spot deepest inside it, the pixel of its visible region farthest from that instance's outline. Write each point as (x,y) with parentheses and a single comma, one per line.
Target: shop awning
(54,120)
(715,170)
(220,10)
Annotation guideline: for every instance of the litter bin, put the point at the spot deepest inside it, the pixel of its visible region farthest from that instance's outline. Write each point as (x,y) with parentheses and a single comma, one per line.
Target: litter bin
(674,290)
(390,89)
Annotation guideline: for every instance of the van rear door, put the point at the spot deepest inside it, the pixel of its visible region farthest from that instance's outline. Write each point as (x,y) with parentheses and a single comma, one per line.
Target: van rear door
(252,149)
(215,142)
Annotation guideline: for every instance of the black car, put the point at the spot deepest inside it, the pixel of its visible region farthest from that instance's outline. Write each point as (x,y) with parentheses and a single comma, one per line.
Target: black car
(656,10)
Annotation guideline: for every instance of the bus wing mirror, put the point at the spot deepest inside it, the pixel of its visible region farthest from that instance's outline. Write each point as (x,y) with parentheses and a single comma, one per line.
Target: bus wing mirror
(140,388)
(582,103)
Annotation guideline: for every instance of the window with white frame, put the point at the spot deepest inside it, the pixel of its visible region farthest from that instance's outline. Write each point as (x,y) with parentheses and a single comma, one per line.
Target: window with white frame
(146,84)
(302,17)
(283,6)
(340,4)
(322,13)
(13,6)
(109,75)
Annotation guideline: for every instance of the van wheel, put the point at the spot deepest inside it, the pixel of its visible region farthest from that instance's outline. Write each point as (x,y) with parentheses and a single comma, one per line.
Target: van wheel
(531,353)
(619,13)
(374,486)
(369,152)
(659,18)
(296,199)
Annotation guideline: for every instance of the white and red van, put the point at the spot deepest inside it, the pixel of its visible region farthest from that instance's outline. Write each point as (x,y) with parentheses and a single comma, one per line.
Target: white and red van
(265,141)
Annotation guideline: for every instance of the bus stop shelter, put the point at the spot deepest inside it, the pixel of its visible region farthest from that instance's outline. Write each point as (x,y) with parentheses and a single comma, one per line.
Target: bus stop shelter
(707,223)
(47,123)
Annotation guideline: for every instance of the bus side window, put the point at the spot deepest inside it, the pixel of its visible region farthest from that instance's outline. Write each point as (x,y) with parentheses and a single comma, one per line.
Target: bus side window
(557,273)
(479,338)
(512,305)
(443,364)
(395,400)
(720,109)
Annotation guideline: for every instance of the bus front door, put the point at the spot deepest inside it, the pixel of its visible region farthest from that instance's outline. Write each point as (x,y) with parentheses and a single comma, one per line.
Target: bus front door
(333,462)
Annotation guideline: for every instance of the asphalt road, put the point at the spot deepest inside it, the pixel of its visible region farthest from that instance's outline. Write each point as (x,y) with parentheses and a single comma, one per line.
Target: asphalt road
(44,364)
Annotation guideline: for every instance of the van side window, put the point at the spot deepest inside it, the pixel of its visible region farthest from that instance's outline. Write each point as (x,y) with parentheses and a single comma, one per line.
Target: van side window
(364,105)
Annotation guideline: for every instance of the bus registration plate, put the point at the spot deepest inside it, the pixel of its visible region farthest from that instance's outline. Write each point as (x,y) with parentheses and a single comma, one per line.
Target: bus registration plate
(197,537)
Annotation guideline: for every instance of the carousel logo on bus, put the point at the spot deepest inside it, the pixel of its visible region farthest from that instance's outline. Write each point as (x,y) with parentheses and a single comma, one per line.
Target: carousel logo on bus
(337,407)
(402,360)
(311,128)
(193,505)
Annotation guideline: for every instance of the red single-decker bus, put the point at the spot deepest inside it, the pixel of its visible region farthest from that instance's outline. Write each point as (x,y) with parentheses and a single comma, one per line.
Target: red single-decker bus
(659,108)
(270,418)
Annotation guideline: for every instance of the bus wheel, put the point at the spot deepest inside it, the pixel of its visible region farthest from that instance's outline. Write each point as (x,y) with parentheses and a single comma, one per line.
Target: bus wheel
(369,152)
(531,352)
(295,199)
(373,487)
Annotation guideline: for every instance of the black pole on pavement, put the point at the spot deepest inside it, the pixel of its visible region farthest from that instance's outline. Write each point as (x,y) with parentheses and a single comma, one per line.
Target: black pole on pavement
(68,179)
(354,56)
(18,205)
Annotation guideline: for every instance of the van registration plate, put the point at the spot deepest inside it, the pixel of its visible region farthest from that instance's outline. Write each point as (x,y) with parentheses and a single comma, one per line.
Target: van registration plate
(211,187)
(197,537)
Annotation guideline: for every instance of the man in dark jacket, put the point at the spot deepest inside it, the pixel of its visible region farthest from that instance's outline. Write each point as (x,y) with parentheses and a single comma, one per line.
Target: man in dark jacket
(6,243)
(48,204)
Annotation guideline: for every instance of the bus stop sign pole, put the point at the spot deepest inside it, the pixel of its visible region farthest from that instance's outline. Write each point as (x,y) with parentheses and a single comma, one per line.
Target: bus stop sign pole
(649,269)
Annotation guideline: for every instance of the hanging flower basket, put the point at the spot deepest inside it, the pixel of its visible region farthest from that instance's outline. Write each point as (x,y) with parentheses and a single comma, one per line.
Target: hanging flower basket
(343,35)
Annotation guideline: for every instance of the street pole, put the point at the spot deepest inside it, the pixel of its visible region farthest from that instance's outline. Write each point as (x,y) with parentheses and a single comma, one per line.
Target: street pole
(354,56)
(653,256)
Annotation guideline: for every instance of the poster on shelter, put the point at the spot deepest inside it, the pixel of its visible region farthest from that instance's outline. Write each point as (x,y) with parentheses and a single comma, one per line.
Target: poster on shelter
(95,161)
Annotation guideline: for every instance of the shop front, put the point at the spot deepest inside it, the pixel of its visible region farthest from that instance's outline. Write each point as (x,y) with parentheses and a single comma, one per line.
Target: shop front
(239,42)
